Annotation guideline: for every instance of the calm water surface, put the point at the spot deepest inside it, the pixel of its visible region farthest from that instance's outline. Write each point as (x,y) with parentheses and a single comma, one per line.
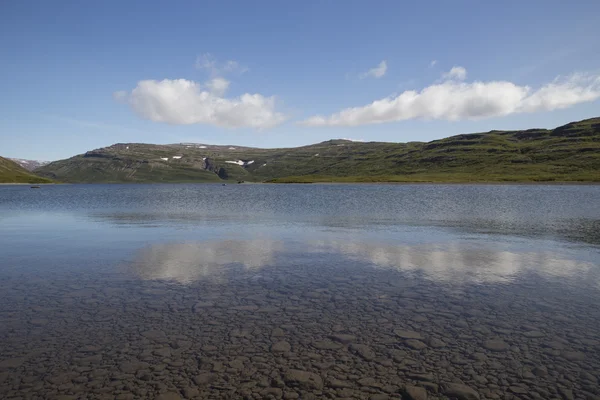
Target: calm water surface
(300,291)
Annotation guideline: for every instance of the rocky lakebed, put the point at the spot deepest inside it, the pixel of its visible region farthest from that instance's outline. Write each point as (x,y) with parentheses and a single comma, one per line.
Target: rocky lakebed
(297,333)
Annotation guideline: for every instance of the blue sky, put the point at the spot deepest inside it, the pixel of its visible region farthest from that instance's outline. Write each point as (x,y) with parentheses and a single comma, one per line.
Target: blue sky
(82,75)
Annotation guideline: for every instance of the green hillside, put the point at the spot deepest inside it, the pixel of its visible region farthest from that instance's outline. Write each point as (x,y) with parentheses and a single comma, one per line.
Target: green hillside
(567,153)
(11,172)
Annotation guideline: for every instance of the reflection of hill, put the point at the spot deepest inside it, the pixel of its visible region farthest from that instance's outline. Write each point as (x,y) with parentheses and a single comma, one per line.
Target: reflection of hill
(187,262)
(167,218)
(457,262)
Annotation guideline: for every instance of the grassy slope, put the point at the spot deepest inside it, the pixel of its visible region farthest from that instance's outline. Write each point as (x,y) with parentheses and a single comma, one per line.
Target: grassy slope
(11,172)
(140,163)
(568,153)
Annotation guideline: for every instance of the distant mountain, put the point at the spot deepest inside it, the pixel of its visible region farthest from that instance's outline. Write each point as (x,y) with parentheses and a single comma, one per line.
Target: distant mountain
(568,153)
(29,165)
(11,172)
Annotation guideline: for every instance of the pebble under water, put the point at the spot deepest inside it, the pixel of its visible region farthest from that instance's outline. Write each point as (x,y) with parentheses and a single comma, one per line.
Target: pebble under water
(171,301)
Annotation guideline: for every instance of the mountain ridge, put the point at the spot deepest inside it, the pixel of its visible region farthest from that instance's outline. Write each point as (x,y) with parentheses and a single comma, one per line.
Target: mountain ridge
(567,153)
(11,172)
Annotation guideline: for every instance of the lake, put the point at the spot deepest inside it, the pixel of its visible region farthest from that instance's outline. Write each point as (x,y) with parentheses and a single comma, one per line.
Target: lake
(300,291)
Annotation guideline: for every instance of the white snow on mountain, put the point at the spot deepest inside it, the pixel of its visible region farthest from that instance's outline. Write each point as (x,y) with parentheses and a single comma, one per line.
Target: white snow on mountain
(29,164)
(241,163)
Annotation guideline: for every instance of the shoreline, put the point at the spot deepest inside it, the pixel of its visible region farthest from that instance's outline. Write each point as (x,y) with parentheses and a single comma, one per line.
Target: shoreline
(558,183)
(523,183)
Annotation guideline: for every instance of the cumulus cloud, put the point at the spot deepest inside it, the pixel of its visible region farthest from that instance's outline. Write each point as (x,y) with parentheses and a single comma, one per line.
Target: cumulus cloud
(185,102)
(455,100)
(218,86)
(209,63)
(376,72)
(432,63)
(458,73)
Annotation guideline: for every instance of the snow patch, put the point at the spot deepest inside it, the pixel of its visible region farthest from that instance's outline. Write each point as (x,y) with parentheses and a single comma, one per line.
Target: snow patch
(203,158)
(177,157)
(201,147)
(127,148)
(165,158)
(316,155)
(240,162)
(264,165)
(29,164)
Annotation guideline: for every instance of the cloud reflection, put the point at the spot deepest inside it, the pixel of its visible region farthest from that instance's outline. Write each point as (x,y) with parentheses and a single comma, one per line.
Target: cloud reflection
(454,262)
(457,262)
(188,262)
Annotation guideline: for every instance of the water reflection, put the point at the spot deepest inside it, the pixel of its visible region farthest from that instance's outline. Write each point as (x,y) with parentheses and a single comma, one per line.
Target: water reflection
(188,262)
(455,263)
(458,262)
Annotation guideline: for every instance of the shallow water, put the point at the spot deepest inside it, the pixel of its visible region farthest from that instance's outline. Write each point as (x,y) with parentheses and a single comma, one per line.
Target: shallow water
(300,291)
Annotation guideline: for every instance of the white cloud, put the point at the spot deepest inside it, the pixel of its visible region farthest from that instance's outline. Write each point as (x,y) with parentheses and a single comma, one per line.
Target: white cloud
(218,86)
(234,66)
(432,63)
(458,73)
(563,93)
(184,102)
(453,100)
(376,72)
(209,63)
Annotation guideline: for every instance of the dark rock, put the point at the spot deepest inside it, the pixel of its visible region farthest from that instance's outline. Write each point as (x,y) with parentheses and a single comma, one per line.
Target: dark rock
(573,355)
(379,396)
(363,351)
(204,379)
(338,384)
(496,345)
(12,362)
(415,393)
(277,332)
(343,338)
(460,391)
(272,391)
(303,379)
(327,345)
(436,343)
(168,396)
(281,347)
(518,390)
(415,344)
(407,334)
(131,367)
(533,334)
(566,393)
(370,382)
